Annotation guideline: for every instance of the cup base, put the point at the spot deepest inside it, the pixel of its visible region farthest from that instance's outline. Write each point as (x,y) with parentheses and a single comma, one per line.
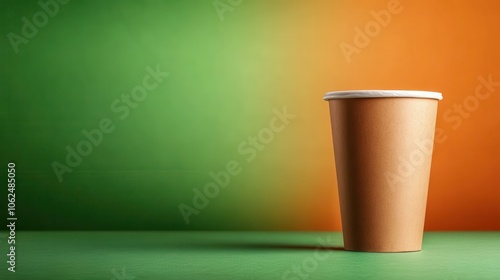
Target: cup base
(383,251)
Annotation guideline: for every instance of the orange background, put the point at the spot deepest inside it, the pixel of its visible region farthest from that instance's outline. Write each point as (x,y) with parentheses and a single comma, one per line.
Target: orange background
(441,46)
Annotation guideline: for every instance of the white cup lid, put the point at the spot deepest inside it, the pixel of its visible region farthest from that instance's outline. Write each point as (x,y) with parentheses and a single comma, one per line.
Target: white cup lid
(381,93)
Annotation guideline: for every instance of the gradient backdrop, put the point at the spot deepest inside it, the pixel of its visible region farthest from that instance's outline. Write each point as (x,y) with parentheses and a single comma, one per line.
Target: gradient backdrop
(230,66)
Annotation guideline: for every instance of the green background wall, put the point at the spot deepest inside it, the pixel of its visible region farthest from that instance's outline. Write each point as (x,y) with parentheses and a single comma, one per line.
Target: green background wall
(219,91)
(234,69)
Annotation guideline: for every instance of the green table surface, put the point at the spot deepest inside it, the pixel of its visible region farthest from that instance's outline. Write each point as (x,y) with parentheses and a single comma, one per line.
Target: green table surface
(244,255)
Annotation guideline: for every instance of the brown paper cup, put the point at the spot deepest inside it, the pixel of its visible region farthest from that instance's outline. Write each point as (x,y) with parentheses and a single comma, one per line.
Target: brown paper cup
(383,143)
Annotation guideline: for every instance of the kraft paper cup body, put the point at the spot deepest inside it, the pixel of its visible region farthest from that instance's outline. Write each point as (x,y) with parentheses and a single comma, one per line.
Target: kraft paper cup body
(383,142)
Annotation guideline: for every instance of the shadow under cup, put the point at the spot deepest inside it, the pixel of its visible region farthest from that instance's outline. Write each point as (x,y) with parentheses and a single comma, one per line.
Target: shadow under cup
(383,141)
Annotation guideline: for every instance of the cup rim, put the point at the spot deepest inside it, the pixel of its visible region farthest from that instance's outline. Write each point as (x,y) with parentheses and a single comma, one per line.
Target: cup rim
(345,94)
